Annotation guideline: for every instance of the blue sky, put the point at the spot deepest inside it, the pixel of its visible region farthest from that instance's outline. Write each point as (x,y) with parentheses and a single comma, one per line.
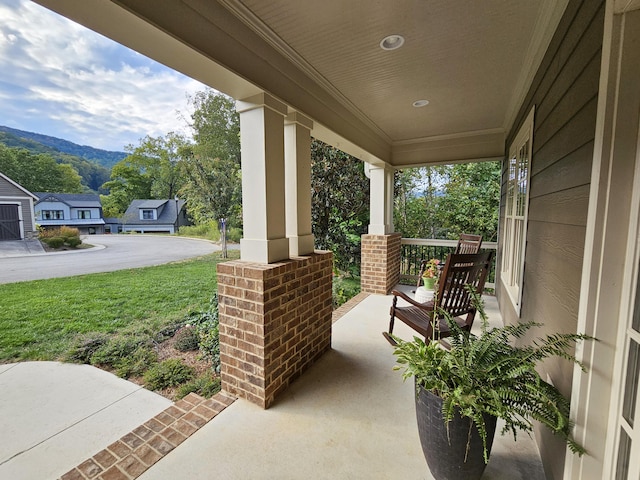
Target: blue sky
(61,79)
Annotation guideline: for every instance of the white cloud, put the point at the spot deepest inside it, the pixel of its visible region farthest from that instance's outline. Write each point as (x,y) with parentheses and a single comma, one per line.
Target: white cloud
(81,86)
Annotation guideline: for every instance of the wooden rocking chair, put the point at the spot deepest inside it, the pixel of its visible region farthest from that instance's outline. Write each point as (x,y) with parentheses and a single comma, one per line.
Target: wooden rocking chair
(467,243)
(452,297)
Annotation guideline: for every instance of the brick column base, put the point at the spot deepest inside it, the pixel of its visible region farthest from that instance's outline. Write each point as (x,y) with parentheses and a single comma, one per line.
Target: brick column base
(380,267)
(275,321)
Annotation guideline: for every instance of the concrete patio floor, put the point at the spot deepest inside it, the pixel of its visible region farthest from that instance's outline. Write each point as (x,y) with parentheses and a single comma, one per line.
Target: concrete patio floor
(349,417)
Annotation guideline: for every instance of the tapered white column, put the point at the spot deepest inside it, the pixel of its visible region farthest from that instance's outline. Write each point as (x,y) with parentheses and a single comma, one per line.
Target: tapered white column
(263,192)
(297,157)
(381,200)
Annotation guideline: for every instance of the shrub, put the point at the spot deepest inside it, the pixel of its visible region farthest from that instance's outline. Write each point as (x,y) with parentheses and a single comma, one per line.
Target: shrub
(208,230)
(54,242)
(137,363)
(117,348)
(168,332)
(57,237)
(187,339)
(205,385)
(207,325)
(73,242)
(234,234)
(67,232)
(169,373)
(344,289)
(84,350)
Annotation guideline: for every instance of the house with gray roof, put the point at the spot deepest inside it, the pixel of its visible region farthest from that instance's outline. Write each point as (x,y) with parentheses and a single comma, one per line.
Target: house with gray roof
(155,216)
(16,211)
(78,210)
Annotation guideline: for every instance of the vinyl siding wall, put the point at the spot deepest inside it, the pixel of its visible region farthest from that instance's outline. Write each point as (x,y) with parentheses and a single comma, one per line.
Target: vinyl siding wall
(564,93)
(9,193)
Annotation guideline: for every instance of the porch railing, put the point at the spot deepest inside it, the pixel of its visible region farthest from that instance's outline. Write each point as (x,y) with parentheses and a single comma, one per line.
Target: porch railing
(414,250)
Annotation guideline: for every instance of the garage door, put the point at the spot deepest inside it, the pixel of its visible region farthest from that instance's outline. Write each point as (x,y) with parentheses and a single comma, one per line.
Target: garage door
(9,222)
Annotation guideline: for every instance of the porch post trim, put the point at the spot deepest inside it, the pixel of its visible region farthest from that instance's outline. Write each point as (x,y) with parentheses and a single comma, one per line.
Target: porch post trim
(263,197)
(297,158)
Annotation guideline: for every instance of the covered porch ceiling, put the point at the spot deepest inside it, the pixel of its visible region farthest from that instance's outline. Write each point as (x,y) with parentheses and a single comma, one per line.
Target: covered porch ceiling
(472,61)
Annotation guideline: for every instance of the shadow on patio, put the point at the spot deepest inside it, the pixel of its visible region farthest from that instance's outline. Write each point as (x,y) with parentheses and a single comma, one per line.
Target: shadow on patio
(349,416)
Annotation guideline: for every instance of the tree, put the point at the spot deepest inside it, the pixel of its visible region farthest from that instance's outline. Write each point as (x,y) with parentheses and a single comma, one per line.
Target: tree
(151,170)
(127,184)
(38,173)
(213,190)
(445,201)
(471,200)
(216,125)
(211,167)
(340,204)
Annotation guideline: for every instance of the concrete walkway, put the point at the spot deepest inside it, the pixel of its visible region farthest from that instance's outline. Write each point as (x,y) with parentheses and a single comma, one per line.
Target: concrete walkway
(20,248)
(53,416)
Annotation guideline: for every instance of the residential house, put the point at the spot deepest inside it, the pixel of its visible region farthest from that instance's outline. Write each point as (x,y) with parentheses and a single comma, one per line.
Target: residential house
(16,211)
(77,210)
(551,88)
(155,216)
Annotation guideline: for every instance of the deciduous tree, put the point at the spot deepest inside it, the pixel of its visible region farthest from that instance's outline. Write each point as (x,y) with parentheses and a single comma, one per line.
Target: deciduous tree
(340,204)
(38,172)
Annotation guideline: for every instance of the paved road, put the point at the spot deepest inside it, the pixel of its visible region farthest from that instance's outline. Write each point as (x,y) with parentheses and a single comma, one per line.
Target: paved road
(113,252)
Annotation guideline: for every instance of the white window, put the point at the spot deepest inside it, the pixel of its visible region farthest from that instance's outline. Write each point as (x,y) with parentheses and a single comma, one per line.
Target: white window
(52,215)
(147,214)
(516,210)
(84,214)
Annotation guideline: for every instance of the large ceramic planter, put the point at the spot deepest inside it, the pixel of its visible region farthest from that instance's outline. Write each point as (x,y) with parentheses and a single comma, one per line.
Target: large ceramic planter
(445,445)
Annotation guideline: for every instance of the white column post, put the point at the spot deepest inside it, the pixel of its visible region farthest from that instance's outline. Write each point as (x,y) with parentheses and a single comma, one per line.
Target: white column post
(263,197)
(297,158)
(381,200)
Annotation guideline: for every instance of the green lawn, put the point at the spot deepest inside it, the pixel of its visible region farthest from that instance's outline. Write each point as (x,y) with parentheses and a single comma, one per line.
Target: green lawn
(43,319)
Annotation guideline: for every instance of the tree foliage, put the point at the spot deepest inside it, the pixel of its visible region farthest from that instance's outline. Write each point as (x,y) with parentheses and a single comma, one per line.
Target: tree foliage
(211,168)
(216,125)
(213,190)
(38,172)
(340,204)
(445,201)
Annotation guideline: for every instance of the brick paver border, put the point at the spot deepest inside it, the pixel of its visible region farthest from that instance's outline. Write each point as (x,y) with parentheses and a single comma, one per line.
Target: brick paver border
(131,455)
(342,310)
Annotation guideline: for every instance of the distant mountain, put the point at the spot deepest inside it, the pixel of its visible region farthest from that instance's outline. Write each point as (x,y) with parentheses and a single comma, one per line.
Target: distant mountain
(22,139)
(94,174)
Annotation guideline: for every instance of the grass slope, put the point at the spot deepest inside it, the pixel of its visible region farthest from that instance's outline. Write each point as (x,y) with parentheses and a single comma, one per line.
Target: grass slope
(43,319)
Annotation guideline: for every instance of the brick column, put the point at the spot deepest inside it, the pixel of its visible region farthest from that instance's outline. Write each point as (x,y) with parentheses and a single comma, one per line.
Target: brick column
(380,268)
(275,321)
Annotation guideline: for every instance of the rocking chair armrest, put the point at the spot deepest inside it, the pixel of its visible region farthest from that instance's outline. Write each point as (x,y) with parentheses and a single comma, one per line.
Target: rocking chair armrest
(425,306)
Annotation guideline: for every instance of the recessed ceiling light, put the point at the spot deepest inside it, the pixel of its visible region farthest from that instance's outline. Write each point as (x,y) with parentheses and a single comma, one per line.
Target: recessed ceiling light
(392,42)
(420,103)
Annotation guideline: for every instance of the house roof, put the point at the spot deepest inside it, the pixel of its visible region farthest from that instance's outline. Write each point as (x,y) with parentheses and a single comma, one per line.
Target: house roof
(18,186)
(166,212)
(151,203)
(472,61)
(75,200)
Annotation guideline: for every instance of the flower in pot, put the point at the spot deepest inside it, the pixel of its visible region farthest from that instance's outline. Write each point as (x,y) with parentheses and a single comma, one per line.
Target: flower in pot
(464,386)
(430,273)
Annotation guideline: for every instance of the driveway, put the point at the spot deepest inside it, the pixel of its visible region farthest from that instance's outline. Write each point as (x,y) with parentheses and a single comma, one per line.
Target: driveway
(111,252)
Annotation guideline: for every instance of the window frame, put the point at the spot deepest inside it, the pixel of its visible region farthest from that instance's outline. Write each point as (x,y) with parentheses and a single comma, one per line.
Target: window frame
(144,211)
(52,215)
(516,213)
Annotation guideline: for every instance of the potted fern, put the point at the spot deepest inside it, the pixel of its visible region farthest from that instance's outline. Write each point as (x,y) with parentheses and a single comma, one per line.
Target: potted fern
(464,387)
